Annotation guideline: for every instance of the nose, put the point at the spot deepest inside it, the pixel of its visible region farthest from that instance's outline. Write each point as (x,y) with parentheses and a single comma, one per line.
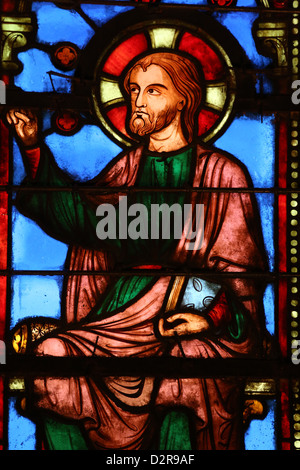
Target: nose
(140,100)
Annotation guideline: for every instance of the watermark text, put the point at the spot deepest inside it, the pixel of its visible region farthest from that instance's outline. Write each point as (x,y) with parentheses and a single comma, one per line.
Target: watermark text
(296,93)
(2,353)
(296,351)
(162,221)
(2,92)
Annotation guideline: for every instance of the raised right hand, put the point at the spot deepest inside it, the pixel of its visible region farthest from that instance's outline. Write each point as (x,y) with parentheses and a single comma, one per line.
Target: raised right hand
(25,123)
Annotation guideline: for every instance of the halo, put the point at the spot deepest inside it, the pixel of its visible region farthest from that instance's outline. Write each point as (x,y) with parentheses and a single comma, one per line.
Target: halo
(219,82)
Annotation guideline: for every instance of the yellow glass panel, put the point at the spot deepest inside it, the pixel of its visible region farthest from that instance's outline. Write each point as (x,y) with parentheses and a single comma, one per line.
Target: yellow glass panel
(163,37)
(110,91)
(216,96)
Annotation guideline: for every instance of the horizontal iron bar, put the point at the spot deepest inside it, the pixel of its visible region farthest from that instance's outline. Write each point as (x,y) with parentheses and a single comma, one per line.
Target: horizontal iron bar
(133,189)
(31,366)
(156,5)
(168,271)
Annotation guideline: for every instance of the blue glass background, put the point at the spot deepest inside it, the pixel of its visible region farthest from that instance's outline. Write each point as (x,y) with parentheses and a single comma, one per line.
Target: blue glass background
(34,250)
(21,430)
(240,24)
(35,295)
(56,24)
(35,77)
(253,143)
(261,434)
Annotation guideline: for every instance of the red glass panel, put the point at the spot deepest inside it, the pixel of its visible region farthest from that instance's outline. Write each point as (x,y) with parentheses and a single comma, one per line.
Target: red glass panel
(285,424)
(8,5)
(2,305)
(280,3)
(206,120)
(117,116)
(124,53)
(4,154)
(282,317)
(211,64)
(4,176)
(282,207)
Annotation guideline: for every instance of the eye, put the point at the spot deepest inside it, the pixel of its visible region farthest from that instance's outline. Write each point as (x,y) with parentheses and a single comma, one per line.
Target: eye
(134,89)
(153,91)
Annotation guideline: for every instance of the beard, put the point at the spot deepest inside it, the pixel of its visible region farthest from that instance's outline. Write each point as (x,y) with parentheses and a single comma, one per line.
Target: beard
(144,124)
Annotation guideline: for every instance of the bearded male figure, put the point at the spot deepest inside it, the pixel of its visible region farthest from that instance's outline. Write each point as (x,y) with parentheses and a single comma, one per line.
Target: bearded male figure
(127,317)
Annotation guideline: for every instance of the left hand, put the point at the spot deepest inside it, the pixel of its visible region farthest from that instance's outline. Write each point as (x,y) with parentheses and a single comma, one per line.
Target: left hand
(190,324)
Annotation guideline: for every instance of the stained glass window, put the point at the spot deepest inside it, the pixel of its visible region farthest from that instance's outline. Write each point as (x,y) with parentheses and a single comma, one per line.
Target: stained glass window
(149,225)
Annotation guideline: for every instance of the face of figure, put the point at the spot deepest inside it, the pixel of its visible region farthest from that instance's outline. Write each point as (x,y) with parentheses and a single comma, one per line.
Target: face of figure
(155,102)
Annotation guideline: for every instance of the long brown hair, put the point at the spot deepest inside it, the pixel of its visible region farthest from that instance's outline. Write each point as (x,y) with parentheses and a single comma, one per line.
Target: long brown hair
(185,78)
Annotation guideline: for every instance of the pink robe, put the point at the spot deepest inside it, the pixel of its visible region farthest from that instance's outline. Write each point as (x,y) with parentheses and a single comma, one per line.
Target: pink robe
(232,243)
